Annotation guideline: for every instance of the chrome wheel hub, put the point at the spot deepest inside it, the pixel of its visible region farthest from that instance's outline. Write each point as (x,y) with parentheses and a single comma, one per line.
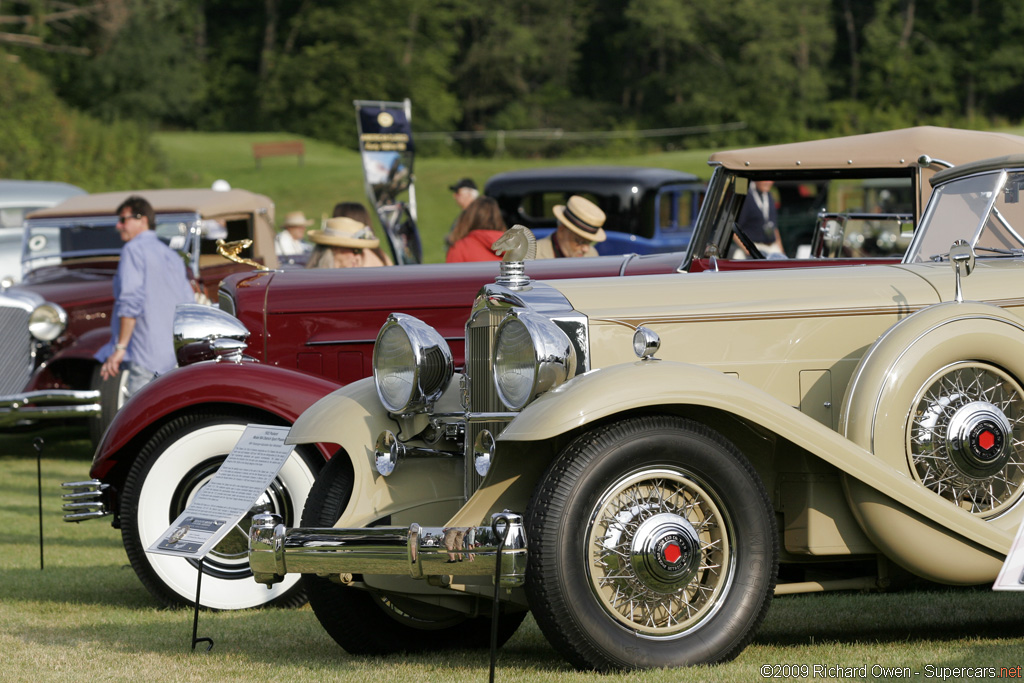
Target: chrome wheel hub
(659,553)
(965,437)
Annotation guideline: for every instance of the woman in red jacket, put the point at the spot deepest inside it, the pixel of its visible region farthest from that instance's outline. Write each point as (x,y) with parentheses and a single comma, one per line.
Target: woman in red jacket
(476,229)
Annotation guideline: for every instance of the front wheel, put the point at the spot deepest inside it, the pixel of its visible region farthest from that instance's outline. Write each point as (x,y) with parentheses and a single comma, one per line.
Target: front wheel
(652,544)
(366,622)
(181,457)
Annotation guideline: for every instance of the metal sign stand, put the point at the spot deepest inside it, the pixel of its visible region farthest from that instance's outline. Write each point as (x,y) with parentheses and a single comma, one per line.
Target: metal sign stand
(502,532)
(195,616)
(37,443)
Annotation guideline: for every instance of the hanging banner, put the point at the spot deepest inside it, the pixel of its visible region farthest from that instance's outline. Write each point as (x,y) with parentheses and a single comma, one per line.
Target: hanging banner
(385,144)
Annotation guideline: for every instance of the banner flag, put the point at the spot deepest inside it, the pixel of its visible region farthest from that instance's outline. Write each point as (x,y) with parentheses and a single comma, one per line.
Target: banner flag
(385,144)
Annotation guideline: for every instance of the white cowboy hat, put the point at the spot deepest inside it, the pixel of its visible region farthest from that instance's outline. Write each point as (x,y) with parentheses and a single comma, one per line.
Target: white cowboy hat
(344,232)
(294,218)
(583,217)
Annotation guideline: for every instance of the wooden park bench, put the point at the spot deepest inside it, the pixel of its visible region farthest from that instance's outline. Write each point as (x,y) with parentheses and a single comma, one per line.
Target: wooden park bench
(278,149)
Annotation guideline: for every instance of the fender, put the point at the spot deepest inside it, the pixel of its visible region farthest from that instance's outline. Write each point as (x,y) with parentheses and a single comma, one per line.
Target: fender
(609,391)
(879,405)
(421,490)
(285,393)
(81,351)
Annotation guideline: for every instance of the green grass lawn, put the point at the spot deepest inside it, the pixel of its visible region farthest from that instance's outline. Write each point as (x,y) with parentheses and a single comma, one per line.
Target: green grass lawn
(87,617)
(331,174)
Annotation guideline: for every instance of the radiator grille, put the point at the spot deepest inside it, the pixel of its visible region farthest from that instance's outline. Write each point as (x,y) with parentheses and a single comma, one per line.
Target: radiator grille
(483,397)
(15,350)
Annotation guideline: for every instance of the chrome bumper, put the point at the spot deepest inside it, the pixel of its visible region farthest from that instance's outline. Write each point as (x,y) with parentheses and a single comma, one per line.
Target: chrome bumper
(90,499)
(50,404)
(413,551)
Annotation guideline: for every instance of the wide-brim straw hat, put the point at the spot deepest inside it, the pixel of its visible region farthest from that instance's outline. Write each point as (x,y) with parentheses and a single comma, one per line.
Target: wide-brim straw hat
(583,217)
(344,232)
(294,218)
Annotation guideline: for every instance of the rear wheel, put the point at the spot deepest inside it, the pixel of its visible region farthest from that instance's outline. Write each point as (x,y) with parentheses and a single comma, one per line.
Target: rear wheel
(366,622)
(180,458)
(652,544)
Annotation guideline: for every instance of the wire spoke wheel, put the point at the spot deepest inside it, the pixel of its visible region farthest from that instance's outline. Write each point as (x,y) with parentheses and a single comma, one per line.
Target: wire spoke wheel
(965,436)
(660,545)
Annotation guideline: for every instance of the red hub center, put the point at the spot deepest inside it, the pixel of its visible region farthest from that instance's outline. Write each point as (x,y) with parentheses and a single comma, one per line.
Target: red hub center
(986,440)
(672,553)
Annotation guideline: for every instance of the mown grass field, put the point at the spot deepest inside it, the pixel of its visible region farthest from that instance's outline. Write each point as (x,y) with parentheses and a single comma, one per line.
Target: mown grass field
(85,616)
(331,174)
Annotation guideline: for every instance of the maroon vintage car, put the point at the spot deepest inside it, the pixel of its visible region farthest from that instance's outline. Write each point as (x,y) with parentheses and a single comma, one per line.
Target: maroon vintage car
(59,316)
(281,340)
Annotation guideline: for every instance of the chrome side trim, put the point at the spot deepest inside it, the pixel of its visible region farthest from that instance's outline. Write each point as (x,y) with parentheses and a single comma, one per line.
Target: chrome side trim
(413,551)
(49,404)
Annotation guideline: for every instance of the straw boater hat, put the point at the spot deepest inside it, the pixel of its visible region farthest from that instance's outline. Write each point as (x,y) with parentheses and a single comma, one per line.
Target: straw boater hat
(344,232)
(583,217)
(294,218)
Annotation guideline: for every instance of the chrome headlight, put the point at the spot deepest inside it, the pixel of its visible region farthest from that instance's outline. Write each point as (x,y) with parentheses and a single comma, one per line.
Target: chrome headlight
(412,364)
(206,333)
(531,356)
(47,322)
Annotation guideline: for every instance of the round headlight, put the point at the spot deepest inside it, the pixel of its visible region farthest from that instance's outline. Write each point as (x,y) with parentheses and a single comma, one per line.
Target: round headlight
(412,364)
(531,356)
(47,322)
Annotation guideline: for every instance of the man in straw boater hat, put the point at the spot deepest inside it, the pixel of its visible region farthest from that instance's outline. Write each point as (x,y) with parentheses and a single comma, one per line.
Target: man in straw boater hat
(580,226)
(291,240)
(340,244)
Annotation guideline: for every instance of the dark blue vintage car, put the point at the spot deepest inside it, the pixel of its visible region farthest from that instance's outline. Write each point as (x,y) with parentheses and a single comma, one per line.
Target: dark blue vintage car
(648,210)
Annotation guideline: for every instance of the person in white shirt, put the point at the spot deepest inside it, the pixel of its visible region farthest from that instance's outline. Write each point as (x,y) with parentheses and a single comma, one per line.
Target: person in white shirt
(291,240)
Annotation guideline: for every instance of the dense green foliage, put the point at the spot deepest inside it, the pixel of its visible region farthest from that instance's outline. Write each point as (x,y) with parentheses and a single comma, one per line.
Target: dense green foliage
(784,69)
(41,138)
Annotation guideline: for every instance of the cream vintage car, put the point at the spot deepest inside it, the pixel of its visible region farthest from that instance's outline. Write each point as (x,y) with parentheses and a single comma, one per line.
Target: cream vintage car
(649,460)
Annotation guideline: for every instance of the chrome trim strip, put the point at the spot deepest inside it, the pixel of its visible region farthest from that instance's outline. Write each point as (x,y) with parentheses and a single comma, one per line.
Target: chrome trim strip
(49,404)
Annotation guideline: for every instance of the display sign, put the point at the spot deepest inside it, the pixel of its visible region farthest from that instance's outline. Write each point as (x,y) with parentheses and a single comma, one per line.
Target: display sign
(386,147)
(1011,576)
(229,496)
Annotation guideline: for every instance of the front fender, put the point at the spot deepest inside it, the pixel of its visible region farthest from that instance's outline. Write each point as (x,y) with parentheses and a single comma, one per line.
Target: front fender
(606,392)
(422,490)
(81,351)
(284,393)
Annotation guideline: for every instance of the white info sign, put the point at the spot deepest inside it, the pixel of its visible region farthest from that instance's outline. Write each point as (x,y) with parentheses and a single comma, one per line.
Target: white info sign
(219,505)
(1011,576)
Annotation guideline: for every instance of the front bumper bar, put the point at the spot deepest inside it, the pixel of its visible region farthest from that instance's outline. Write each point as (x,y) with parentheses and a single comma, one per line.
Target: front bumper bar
(415,551)
(90,499)
(49,404)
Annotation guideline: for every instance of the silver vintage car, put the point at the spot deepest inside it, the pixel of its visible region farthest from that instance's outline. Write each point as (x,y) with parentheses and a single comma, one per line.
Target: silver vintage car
(648,460)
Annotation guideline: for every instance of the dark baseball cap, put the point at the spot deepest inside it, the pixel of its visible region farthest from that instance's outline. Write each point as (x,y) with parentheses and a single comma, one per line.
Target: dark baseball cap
(465,182)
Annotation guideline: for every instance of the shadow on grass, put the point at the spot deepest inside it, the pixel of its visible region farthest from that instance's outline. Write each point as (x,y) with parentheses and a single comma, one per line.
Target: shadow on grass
(928,613)
(103,585)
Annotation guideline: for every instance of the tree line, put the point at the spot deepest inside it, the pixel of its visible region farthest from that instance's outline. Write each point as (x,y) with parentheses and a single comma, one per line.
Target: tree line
(787,70)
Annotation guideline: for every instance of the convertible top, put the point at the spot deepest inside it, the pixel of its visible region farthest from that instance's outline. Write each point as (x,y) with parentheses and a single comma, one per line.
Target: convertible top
(888,149)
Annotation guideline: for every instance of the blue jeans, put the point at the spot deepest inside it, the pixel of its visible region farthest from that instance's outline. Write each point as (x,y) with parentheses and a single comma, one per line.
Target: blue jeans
(138,377)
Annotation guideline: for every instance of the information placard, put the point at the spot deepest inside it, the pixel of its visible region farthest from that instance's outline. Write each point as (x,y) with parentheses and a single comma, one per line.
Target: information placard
(1011,576)
(219,505)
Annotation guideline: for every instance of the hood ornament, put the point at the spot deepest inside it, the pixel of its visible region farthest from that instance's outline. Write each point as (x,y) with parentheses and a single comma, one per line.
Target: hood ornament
(231,251)
(517,244)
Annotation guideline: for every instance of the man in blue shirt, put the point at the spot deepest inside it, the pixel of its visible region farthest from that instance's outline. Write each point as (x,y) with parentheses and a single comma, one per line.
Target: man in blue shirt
(149,283)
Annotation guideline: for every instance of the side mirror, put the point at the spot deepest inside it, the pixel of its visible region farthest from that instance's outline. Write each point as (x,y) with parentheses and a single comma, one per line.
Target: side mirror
(961,255)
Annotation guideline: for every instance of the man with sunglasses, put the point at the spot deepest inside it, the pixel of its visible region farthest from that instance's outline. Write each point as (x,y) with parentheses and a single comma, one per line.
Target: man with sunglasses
(150,281)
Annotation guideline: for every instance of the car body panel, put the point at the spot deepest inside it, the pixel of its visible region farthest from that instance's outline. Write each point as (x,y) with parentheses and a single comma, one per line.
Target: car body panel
(266,389)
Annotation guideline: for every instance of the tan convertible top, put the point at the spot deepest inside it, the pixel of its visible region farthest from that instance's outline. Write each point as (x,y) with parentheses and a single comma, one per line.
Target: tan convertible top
(888,149)
(207,203)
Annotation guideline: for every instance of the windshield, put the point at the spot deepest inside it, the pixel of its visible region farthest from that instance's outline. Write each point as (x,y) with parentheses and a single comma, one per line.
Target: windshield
(985,210)
(53,241)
